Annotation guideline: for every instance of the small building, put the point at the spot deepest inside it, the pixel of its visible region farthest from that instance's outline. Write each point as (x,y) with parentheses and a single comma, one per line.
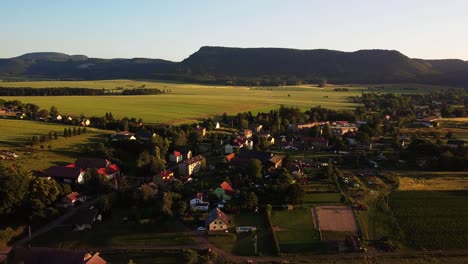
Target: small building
(122,136)
(71,199)
(192,165)
(246,133)
(230,157)
(198,204)
(276,161)
(217,126)
(65,174)
(85,218)
(85,122)
(228,148)
(144,135)
(201,129)
(217,220)
(176,157)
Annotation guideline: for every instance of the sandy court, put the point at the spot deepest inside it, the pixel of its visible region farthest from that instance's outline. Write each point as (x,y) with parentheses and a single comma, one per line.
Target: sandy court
(335,218)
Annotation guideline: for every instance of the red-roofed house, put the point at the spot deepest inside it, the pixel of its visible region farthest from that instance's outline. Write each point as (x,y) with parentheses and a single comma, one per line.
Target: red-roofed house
(227,188)
(69,200)
(176,157)
(111,171)
(230,157)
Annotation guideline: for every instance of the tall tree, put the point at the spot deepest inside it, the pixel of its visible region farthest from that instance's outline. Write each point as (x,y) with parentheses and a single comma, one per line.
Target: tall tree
(254,169)
(13,188)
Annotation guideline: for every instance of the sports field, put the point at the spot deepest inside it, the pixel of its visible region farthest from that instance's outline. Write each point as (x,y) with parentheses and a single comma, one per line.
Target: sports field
(190,102)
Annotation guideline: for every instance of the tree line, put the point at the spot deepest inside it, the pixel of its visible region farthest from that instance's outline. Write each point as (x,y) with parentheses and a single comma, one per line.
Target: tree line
(72,91)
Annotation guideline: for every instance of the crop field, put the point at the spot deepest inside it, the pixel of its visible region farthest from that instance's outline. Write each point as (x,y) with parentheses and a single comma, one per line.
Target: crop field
(190,102)
(432,219)
(295,231)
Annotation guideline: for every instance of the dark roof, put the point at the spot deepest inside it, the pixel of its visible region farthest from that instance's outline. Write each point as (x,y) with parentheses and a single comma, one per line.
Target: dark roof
(85,216)
(91,163)
(194,159)
(252,154)
(217,213)
(63,172)
(143,134)
(47,256)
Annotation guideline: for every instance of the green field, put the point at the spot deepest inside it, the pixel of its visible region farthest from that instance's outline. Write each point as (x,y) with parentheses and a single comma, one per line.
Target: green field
(432,219)
(242,243)
(112,231)
(295,231)
(15,134)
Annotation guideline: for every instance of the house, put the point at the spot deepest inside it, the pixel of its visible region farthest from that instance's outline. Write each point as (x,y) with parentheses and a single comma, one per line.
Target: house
(38,255)
(201,129)
(248,144)
(85,122)
(123,136)
(57,118)
(338,128)
(217,220)
(228,148)
(65,174)
(257,128)
(316,142)
(167,175)
(230,157)
(221,194)
(70,199)
(246,133)
(227,188)
(276,161)
(192,165)
(85,218)
(198,204)
(103,166)
(144,135)
(217,126)
(176,157)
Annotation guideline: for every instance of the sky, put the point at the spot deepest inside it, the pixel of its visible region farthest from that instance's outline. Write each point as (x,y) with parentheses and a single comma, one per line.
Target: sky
(174,29)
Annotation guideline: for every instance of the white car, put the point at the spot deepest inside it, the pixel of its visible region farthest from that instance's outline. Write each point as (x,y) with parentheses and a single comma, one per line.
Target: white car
(201,228)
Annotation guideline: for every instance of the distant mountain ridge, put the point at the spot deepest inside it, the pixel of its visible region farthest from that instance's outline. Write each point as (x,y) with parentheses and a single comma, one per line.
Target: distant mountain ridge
(269,66)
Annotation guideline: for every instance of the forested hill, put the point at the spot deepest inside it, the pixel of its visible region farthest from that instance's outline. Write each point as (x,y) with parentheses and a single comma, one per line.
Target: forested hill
(364,66)
(248,66)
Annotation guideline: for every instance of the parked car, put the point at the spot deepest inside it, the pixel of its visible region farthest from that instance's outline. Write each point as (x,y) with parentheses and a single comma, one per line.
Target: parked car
(201,228)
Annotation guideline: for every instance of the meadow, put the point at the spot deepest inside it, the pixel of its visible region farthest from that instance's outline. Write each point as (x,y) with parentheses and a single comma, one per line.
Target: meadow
(295,231)
(432,219)
(16,133)
(190,102)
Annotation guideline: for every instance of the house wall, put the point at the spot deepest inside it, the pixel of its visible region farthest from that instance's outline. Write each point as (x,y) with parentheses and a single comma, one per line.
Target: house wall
(217,225)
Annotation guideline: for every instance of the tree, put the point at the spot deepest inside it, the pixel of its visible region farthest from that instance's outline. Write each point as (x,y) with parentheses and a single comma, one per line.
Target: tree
(252,201)
(53,111)
(14,187)
(65,132)
(180,139)
(254,169)
(167,204)
(43,192)
(180,208)
(177,186)
(322,83)
(43,113)
(190,256)
(294,194)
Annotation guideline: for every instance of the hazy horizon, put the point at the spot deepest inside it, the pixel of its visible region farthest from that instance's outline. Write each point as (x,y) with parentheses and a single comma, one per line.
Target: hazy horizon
(173,31)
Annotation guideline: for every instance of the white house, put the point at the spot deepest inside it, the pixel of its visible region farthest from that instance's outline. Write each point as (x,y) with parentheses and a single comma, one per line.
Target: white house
(217,125)
(228,149)
(198,204)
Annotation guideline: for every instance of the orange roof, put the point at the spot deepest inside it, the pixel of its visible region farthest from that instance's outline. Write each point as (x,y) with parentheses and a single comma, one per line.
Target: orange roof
(227,187)
(230,156)
(177,154)
(73,196)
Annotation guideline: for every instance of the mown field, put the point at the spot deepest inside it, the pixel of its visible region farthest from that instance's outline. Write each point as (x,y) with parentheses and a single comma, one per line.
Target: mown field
(432,219)
(295,231)
(15,134)
(189,102)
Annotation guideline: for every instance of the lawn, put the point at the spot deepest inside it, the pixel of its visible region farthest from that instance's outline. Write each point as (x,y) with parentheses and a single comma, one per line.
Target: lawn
(432,219)
(112,231)
(242,243)
(312,198)
(143,258)
(295,231)
(15,134)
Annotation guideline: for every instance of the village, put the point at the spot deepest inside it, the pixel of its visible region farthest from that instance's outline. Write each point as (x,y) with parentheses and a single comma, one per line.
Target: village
(275,184)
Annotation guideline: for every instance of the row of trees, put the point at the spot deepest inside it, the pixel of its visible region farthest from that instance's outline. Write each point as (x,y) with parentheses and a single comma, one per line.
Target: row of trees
(72,91)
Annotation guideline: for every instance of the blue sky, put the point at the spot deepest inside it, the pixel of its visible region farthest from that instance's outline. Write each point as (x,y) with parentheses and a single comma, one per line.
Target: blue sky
(174,29)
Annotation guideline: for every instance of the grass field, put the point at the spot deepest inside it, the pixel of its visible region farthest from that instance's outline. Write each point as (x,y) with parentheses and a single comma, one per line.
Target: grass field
(242,243)
(190,102)
(15,134)
(114,232)
(295,231)
(432,219)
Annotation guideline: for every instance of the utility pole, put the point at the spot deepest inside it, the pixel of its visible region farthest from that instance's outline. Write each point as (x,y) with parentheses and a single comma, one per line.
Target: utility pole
(255,243)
